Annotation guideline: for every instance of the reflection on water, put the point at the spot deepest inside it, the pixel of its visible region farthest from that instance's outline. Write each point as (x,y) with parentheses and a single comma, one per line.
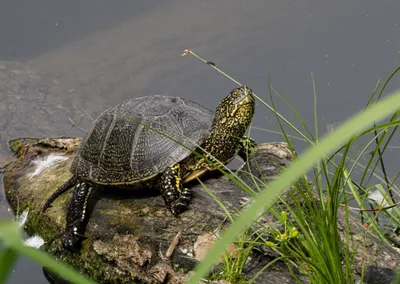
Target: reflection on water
(63,62)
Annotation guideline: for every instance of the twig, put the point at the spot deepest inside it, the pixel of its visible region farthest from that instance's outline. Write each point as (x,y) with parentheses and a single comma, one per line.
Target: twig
(212,64)
(87,114)
(173,245)
(369,210)
(76,125)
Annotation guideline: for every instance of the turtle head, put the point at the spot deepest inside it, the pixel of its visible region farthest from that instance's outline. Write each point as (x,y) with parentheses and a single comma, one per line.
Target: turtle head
(240,96)
(232,117)
(236,110)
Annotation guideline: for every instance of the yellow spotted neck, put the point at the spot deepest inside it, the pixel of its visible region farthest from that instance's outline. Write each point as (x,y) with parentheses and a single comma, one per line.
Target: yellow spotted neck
(232,117)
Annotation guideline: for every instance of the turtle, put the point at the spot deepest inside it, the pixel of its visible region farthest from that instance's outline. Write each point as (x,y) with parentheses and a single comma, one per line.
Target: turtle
(159,142)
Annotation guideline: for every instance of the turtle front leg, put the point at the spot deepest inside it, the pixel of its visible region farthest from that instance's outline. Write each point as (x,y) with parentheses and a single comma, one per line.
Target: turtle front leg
(76,215)
(246,146)
(176,197)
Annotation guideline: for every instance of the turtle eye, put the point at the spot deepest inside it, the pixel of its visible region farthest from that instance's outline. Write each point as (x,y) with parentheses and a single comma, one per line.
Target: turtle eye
(242,95)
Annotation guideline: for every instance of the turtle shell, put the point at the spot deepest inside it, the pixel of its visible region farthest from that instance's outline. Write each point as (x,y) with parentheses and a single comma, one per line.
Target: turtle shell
(134,141)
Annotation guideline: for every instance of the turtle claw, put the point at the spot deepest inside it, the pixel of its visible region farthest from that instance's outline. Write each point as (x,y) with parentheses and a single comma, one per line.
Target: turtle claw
(177,208)
(185,195)
(180,204)
(71,240)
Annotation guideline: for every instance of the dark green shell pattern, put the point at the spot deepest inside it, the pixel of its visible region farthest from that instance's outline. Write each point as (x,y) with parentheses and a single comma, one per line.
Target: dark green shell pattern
(123,146)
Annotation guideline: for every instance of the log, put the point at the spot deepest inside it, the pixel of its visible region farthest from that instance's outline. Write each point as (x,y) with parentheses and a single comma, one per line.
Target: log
(129,233)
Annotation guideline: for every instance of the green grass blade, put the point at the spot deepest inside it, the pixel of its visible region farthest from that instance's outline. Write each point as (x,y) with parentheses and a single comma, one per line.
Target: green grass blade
(315,109)
(53,265)
(268,196)
(10,233)
(7,260)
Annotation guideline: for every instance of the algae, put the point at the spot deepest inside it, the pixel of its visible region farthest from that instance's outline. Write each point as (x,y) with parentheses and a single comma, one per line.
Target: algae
(15,145)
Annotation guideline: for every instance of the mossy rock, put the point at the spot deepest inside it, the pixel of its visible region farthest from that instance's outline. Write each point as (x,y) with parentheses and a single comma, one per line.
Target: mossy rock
(129,232)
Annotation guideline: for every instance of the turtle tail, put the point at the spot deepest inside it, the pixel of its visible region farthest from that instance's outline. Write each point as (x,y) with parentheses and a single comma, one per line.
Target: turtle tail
(67,185)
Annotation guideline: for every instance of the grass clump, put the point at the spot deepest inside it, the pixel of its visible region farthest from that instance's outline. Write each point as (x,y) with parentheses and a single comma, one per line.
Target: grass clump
(310,243)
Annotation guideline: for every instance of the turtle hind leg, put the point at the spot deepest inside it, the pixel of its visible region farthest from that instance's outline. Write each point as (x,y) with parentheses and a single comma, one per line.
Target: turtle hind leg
(77,211)
(176,198)
(67,185)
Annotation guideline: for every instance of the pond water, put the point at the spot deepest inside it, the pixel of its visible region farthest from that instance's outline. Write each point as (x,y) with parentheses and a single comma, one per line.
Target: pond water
(63,61)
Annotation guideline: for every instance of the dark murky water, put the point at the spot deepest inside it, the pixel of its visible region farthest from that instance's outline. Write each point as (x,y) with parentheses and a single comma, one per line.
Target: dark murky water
(80,57)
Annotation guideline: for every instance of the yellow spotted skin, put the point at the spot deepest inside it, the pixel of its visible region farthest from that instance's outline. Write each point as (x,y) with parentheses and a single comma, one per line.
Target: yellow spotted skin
(175,197)
(226,139)
(120,151)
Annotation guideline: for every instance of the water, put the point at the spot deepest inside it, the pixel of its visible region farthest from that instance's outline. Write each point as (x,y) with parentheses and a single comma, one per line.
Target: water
(89,55)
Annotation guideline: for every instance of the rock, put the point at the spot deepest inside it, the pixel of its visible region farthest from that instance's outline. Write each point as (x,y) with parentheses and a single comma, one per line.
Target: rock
(205,242)
(124,250)
(129,232)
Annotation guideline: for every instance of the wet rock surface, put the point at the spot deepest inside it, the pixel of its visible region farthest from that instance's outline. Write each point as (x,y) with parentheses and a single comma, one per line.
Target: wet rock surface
(129,233)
